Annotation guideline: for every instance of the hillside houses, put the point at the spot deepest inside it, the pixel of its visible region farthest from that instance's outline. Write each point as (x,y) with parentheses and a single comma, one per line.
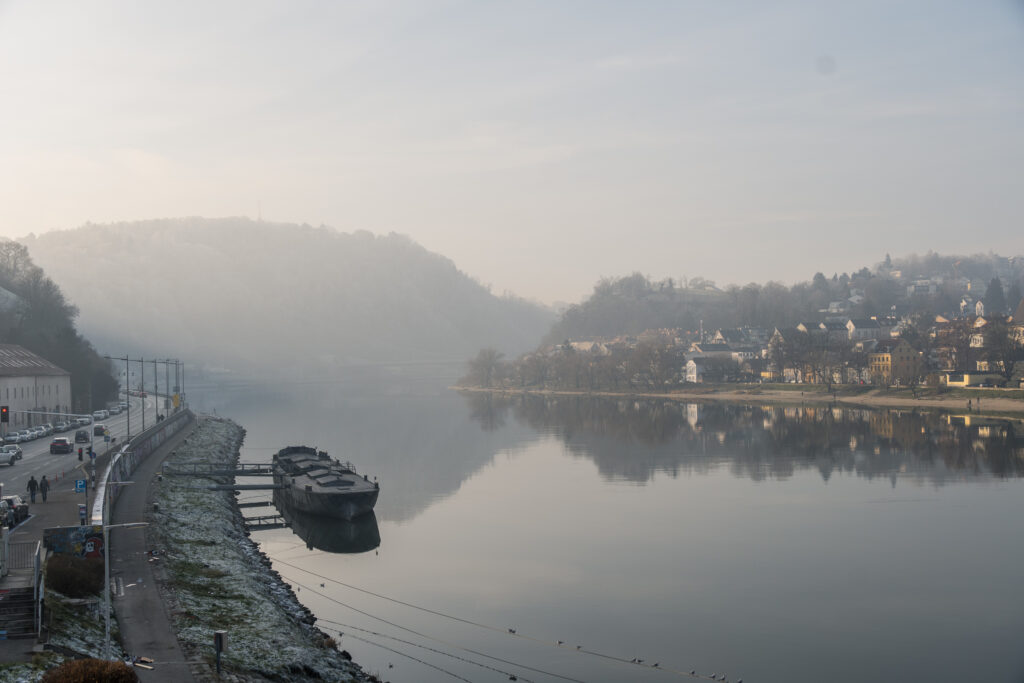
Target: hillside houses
(878,350)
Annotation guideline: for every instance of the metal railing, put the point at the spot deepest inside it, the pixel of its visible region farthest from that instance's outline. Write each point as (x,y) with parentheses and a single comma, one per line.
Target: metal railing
(21,555)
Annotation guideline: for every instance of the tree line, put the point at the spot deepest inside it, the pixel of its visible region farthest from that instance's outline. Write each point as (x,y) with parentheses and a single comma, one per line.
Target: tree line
(41,319)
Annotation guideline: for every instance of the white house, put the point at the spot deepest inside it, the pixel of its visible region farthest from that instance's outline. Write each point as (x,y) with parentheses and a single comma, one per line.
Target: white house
(29,383)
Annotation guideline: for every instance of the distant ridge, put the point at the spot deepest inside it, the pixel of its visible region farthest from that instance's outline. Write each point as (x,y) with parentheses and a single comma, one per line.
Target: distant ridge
(271,298)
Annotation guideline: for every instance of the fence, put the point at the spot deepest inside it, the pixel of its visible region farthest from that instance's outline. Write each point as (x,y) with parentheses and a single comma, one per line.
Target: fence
(21,555)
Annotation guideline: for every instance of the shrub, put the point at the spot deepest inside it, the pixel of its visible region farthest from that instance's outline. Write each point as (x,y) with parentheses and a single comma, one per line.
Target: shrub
(91,671)
(75,577)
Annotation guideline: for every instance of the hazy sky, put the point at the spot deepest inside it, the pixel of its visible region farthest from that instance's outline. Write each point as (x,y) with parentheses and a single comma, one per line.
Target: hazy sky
(540,145)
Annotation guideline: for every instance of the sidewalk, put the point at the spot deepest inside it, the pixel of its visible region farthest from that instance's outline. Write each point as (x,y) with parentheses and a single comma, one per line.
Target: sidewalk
(141,614)
(60,509)
(146,628)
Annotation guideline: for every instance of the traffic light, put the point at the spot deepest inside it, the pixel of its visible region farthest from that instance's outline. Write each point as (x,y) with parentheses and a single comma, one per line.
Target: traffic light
(5,414)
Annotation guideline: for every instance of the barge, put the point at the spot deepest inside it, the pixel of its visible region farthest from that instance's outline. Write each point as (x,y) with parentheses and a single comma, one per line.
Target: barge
(312,482)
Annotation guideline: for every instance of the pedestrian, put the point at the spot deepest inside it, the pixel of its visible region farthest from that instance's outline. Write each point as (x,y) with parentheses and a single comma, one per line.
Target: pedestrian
(44,486)
(33,485)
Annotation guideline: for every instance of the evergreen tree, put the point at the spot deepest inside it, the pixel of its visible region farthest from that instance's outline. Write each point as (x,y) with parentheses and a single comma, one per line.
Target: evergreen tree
(995,299)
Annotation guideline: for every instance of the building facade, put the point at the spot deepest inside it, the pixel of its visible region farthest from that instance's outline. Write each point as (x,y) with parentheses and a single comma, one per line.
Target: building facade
(29,385)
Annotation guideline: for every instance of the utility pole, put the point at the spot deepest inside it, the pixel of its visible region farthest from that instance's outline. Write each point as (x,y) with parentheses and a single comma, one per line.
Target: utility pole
(127,388)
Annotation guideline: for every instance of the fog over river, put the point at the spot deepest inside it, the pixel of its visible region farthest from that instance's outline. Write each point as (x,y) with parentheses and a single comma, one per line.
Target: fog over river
(764,543)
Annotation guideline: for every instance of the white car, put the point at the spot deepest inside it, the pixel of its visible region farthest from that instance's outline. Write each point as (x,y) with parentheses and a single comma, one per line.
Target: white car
(100,415)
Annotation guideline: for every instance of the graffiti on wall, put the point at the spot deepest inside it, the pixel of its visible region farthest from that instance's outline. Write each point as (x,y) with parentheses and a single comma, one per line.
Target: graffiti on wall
(81,541)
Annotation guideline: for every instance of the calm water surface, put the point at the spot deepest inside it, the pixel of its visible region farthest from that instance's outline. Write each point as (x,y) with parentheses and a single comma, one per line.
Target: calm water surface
(764,543)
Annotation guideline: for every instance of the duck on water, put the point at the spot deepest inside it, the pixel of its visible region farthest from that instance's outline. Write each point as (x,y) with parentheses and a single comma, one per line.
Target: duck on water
(312,482)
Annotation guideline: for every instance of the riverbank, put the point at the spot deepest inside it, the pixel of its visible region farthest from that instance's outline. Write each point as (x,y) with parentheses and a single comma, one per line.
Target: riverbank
(987,403)
(213,577)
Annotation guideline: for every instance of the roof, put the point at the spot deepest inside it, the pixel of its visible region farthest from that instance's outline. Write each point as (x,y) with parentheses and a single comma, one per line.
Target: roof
(887,345)
(864,323)
(17,361)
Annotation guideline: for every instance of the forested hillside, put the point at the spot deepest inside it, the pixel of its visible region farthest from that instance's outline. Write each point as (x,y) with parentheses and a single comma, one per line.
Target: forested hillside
(268,298)
(35,314)
(915,285)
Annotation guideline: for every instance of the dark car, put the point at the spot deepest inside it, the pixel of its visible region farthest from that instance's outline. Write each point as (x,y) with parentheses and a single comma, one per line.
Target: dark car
(19,506)
(81,436)
(99,429)
(61,445)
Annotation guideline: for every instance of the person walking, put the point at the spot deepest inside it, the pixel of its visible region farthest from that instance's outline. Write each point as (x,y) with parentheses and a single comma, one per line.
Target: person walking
(44,486)
(33,485)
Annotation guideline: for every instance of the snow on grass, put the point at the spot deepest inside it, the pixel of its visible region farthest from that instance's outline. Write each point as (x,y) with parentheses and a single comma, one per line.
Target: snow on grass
(215,577)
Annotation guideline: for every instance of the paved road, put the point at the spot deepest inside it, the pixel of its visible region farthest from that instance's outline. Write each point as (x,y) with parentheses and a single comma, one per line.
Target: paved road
(63,469)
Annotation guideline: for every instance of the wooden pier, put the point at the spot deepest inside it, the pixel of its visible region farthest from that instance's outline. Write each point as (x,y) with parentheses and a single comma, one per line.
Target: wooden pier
(206,469)
(263,522)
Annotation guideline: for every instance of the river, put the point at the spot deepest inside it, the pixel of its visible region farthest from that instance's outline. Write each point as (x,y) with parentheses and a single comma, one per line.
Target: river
(769,544)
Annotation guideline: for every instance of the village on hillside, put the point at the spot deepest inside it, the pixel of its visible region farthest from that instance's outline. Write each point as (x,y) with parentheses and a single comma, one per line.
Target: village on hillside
(966,349)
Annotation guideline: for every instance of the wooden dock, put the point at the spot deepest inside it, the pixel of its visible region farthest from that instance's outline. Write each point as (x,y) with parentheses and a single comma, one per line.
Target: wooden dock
(263,522)
(206,469)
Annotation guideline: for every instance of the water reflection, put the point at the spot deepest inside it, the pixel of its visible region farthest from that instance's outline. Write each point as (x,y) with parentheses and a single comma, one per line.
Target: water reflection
(633,439)
(331,535)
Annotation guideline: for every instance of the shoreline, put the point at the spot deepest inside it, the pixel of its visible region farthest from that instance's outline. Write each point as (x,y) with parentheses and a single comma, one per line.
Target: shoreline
(212,575)
(993,406)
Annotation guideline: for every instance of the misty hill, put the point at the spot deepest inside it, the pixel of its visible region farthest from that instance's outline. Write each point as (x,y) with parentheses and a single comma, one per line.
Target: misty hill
(268,298)
(921,285)
(35,314)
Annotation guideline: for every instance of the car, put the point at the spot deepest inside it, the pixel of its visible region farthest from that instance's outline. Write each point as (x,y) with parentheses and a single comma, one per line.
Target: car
(19,506)
(36,432)
(8,457)
(61,445)
(47,429)
(12,437)
(82,436)
(115,410)
(99,429)
(100,415)
(124,405)
(12,448)
(84,421)
(6,514)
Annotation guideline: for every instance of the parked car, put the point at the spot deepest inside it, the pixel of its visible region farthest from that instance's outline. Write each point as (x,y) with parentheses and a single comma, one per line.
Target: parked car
(36,432)
(115,410)
(61,445)
(19,506)
(6,514)
(100,415)
(12,448)
(124,405)
(8,457)
(84,421)
(47,429)
(82,436)
(99,429)
(12,437)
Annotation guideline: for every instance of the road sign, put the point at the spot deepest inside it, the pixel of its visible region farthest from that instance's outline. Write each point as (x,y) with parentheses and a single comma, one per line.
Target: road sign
(79,485)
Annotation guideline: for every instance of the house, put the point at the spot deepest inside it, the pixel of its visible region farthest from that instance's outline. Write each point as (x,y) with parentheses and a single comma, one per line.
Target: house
(894,360)
(30,383)
(711,369)
(860,329)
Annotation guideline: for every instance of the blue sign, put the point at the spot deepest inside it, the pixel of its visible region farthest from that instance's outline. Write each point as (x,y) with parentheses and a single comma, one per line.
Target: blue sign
(106,437)
(79,485)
